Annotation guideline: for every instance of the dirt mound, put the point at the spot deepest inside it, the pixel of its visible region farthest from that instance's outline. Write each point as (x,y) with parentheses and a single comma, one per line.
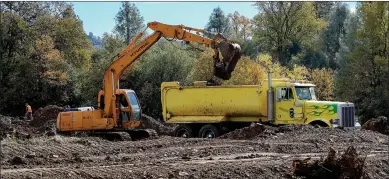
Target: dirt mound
(37,112)
(17,161)
(47,116)
(161,128)
(380,124)
(349,165)
(290,128)
(5,122)
(5,126)
(245,133)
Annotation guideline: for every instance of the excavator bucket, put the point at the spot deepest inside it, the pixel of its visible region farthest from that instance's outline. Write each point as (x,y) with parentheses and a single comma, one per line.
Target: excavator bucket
(231,53)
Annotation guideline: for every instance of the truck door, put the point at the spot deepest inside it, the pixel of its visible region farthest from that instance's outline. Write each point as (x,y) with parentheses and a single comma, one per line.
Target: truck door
(285,112)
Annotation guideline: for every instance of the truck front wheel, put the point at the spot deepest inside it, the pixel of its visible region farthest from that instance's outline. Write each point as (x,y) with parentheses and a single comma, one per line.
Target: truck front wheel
(208,131)
(184,131)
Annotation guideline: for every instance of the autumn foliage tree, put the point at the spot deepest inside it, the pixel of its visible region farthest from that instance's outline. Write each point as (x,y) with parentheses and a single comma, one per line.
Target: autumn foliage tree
(43,50)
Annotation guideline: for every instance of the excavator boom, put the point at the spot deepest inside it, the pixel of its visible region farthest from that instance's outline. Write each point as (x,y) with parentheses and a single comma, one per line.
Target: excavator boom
(119,109)
(222,68)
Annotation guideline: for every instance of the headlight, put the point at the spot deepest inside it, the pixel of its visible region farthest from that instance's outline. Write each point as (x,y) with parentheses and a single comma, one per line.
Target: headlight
(334,121)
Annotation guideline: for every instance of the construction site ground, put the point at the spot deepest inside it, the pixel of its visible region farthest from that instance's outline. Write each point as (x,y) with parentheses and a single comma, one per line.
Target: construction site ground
(254,152)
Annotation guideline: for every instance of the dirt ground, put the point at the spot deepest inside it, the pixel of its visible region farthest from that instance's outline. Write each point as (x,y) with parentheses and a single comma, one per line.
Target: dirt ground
(262,152)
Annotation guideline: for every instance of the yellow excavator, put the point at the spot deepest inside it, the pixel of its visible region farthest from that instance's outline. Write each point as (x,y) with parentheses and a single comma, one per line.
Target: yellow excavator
(118,110)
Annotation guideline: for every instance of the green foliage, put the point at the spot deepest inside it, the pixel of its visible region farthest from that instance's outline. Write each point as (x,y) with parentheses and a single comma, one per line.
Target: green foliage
(323,9)
(203,67)
(92,81)
(218,22)
(323,78)
(324,81)
(165,61)
(129,22)
(247,72)
(96,41)
(363,77)
(43,50)
(280,26)
(333,33)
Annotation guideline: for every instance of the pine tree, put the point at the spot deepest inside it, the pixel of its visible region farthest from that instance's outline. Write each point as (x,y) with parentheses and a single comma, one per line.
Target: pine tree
(129,22)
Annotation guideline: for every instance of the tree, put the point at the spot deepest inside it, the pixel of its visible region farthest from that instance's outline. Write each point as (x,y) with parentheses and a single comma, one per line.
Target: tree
(129,22)
(72,40)
(163,62)
(218,22)
(323,9)
(240,26)
(280,26)
(96,41)
(363,74)
(333,33)
(44,52)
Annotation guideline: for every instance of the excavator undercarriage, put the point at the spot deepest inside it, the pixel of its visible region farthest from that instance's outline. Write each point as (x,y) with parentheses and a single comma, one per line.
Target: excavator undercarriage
(127,135)
(117,135)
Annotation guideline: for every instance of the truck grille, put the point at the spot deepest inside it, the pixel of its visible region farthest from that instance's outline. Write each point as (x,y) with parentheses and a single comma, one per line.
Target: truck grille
(347,116)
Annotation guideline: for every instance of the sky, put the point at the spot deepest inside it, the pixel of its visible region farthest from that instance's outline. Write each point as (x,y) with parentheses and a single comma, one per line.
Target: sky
(98,17)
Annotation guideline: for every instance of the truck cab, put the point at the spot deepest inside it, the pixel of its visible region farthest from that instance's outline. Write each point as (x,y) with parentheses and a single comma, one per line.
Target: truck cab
(296,103)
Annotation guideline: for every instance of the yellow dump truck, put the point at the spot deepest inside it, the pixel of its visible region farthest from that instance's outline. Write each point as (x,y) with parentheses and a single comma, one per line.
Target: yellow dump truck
(209,111)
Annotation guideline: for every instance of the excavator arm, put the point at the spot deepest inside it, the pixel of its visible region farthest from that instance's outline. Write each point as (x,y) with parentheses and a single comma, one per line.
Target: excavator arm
(223,68)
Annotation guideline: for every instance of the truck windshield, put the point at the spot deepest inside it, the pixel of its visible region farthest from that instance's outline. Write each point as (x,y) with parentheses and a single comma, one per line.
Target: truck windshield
(305,93)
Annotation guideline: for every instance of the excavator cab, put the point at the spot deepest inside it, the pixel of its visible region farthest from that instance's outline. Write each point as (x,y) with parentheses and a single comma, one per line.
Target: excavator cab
(128,110)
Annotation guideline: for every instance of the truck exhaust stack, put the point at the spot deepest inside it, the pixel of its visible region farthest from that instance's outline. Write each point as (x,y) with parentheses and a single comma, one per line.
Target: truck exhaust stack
(270,99)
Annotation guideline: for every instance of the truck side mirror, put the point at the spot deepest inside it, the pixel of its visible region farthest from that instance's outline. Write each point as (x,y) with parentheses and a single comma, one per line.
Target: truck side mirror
(298,104)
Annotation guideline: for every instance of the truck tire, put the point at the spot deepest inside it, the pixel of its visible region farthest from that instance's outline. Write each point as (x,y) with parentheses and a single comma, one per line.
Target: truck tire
(184,131)
(208,131)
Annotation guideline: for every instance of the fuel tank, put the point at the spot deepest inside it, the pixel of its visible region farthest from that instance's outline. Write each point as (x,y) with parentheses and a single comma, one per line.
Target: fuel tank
(201,100)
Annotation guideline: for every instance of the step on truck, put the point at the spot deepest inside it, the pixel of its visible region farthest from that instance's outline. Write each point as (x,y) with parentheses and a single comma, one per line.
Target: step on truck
(209,111)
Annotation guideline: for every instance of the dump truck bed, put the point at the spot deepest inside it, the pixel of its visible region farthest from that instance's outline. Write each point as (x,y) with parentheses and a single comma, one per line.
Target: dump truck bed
(211,104)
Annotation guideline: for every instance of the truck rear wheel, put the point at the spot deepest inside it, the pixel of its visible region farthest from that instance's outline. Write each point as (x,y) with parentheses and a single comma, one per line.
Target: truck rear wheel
(184,131)
(208,131)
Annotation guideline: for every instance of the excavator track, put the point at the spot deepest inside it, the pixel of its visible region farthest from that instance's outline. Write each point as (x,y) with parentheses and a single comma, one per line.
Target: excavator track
(126,135)
(141,134)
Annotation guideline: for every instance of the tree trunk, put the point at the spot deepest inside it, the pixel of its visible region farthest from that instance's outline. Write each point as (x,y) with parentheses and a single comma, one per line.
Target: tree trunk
(387,54)
(127,26)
